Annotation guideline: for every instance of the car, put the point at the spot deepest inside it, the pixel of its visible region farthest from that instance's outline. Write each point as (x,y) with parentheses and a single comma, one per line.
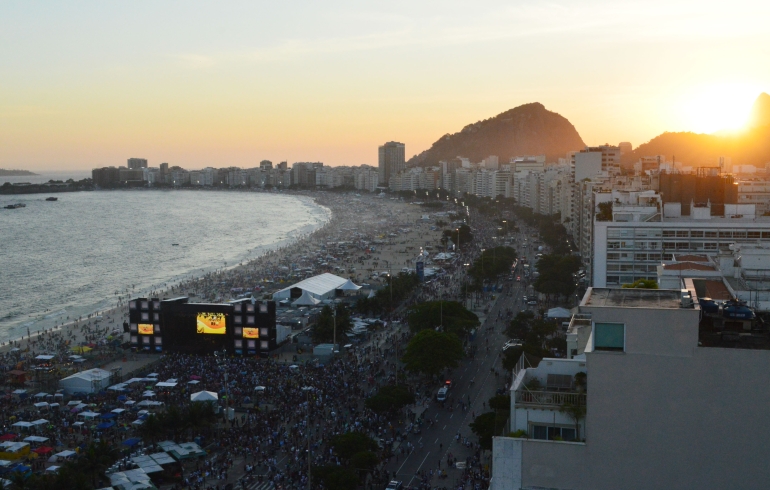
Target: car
(532,302)
(524,298)
(518,278)
(394,485)
(511,343)
(448,383)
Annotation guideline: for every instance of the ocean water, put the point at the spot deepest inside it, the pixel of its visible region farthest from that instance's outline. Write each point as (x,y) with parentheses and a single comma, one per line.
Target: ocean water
(68,258)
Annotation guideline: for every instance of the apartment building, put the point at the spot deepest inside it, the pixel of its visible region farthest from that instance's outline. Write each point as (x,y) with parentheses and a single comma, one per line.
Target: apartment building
(633,243)
(596,160)
(646,402)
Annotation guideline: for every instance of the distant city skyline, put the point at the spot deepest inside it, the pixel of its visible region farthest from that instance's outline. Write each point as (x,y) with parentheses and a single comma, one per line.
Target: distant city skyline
(87,85)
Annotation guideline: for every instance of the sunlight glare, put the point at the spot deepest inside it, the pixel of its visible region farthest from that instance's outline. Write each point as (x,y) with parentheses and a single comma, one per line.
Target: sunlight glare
(719,107)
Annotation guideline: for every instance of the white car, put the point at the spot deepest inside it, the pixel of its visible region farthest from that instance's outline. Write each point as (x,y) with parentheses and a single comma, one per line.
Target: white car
(511,343)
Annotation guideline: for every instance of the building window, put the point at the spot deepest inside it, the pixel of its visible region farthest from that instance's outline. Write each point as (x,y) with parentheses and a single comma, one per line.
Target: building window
(696,234)
(609,336)
(613,279)
(550,433)
(682,234)
(711,234)
(613,256)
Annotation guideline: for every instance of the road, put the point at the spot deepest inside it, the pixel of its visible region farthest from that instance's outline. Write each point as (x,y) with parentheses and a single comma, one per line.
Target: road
(436,442)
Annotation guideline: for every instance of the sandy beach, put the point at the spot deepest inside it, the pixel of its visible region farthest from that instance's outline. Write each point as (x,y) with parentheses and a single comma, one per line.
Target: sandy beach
(379,235)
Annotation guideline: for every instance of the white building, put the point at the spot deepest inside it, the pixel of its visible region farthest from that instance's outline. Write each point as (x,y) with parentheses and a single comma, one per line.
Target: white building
(661,411)
(90,381)
(637,240)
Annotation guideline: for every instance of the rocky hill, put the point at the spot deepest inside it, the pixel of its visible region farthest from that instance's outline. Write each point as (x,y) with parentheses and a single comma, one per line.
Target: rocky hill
(750,146)
(529,129)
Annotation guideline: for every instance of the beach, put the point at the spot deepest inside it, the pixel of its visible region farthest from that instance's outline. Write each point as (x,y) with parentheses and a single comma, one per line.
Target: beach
(381,235)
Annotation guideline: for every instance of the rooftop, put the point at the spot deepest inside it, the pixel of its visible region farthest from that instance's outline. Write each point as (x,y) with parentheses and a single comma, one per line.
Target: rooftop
(688,266)
(691,258)
(633,298)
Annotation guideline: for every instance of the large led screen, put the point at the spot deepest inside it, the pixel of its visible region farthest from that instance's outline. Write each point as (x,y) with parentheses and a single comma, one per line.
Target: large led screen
(145,329)
(250,333)
(211,323)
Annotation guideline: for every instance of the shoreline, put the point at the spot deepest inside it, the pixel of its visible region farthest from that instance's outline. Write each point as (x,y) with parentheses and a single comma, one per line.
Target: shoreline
(348,217)
(116,307)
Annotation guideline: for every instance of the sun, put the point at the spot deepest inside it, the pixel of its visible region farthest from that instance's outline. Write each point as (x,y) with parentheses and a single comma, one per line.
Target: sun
(718,107)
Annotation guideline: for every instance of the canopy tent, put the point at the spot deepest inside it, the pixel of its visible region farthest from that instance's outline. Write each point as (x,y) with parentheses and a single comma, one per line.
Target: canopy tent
(306,300)
(259,388)
(204,396)
(41,404)
(35,439)
(165,384)
(193,382)
(118,410)
(43,450)
(132,442)
(108,415)
(39,422)
(44,357)
(42,394)
(23,425)
(8,437)
(105,425)
(88,415)
(349,286)
(558,313)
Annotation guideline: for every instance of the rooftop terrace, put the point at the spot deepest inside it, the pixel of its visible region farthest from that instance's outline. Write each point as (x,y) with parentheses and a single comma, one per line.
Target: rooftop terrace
(633,298)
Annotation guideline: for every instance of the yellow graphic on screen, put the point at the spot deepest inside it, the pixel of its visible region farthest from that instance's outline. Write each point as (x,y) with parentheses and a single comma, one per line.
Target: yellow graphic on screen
(145,329)
(250,333)
(211,323)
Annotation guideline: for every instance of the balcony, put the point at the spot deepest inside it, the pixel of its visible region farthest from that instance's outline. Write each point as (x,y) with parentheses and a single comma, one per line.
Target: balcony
(548,399)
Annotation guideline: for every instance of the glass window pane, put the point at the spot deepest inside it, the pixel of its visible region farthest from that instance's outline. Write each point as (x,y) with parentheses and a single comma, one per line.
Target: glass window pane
(609,336)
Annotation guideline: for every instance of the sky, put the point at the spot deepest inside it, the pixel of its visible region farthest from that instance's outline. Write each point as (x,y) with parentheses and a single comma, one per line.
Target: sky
(86,83)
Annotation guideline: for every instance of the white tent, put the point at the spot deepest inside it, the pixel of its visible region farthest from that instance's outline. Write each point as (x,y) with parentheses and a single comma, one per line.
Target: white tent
(558,313)
(204,396)
(321,287)
(305,300)
(349,286)
(90,381)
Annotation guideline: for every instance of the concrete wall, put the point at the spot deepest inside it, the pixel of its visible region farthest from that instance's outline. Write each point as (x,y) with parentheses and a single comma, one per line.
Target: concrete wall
(665,422)
(653,331)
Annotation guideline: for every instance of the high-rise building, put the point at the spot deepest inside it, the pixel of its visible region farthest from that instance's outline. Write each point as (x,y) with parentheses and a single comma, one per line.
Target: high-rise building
(392,160)
(673,389)
(135,163)
(596,160)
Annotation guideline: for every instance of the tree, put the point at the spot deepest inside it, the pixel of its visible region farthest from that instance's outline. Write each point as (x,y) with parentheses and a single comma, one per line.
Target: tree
(431,352)
(460,236)
(520,325)
(335,477)
(576,412)
(642,284)
(390,398)
(350,443)
(484,427)
(451,315)
(556,274)
(323,332)
(492,263)
(511,357)
(605,211)
(500,402)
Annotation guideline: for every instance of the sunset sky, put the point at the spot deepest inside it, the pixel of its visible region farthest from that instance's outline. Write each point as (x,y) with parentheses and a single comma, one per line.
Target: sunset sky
(85,84)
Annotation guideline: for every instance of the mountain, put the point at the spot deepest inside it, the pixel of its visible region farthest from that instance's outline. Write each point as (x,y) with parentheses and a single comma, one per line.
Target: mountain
(15,173)
(529,129)
(750,146)
(760,111)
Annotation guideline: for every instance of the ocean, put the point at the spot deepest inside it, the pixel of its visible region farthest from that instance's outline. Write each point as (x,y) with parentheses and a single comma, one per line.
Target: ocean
(68,258)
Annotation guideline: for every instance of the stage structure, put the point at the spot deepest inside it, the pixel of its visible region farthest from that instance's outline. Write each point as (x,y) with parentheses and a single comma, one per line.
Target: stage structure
(242,327)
